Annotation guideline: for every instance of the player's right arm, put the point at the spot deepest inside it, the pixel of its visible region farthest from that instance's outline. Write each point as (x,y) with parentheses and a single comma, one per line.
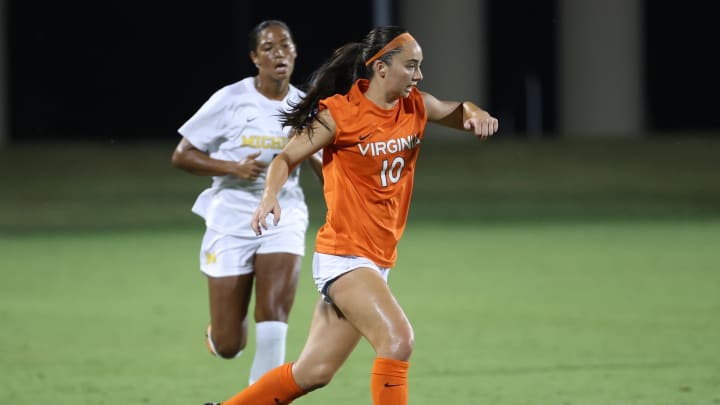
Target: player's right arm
(189,158)
(300,147)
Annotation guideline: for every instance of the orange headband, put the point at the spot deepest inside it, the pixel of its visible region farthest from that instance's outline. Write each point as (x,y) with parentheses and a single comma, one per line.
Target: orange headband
(396,42)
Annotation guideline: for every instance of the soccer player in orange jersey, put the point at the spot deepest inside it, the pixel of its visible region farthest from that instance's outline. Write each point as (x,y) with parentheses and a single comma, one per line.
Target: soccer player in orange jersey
(364,111)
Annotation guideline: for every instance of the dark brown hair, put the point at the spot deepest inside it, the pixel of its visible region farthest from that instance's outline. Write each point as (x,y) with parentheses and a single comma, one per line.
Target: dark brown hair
(337,75)
(255,32)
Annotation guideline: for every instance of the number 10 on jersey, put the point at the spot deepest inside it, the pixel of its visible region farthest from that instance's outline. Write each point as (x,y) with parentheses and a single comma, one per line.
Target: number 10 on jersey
(392,172)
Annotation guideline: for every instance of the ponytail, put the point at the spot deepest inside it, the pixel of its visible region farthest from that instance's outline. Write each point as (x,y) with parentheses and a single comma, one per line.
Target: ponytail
(347,64)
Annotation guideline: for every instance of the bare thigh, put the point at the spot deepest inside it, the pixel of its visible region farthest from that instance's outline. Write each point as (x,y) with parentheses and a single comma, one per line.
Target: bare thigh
(229,299)
(365,299)
(276,279)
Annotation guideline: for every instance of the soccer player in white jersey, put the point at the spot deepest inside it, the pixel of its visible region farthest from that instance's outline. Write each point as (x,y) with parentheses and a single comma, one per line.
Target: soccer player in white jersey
(233,137)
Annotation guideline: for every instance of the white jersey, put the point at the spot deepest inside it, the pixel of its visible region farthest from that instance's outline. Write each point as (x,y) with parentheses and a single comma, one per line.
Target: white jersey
(237,121)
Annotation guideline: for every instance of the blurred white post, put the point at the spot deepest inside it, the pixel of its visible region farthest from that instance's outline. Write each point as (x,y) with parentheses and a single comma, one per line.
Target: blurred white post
(454,40)
(601,75)
(4,87)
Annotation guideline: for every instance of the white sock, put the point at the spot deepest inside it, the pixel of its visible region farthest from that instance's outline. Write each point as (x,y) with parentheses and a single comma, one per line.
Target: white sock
(269,348)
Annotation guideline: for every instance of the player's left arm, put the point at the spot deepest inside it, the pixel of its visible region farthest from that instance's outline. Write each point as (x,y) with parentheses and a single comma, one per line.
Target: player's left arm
(463,115)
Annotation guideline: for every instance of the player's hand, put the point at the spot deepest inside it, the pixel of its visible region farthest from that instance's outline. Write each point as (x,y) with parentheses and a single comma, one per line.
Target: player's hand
(250,168)
(482,124)
(268,205)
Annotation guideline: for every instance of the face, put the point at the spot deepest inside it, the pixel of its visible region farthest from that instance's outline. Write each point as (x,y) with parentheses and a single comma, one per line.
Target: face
(275,53)
(404,73)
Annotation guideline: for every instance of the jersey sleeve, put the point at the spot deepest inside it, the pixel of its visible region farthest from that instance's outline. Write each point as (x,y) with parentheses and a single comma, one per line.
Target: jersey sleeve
(208,125)
(343,113)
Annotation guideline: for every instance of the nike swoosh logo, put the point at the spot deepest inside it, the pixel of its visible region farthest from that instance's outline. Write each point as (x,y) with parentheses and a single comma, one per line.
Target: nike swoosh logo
(362,138)
(248,119)
(393,385)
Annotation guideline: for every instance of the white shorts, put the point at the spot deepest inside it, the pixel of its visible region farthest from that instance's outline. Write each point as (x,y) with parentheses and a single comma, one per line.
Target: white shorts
(327,268)
(224,255)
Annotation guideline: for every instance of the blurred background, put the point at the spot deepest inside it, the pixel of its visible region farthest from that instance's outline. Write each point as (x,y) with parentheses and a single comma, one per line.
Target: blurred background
(120,71)
(606,107)
(597,100)
(573,255)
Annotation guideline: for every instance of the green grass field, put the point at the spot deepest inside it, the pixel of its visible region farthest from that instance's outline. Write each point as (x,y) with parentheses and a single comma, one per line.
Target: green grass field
(560,272)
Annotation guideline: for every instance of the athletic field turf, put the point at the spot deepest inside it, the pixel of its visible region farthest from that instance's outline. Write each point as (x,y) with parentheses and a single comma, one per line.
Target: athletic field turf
(559,272)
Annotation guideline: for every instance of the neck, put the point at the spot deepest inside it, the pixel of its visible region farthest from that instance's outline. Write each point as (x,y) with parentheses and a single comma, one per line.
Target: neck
(378,96)
(272,89)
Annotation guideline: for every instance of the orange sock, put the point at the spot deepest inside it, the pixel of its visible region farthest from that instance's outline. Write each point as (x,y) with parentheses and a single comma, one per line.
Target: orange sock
(389,382)
(276,387)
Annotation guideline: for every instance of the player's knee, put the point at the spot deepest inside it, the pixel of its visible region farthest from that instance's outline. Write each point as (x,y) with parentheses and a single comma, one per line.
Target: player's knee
(398,345)
(228,351)
(223,348)
(402,349)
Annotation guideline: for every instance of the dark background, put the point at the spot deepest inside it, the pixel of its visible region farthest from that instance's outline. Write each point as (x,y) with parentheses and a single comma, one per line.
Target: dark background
(130,70)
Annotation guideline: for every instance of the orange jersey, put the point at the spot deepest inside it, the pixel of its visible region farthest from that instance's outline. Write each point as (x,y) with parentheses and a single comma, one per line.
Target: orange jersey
(368,174)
